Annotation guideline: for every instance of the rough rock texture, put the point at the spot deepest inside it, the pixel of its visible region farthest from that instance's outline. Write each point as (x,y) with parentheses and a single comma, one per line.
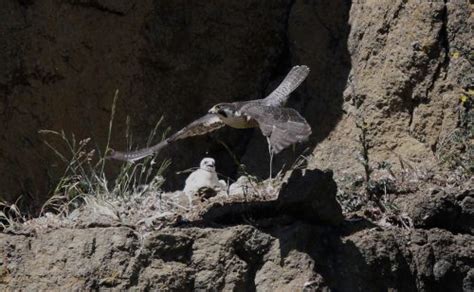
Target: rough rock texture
(398,67)
(391,84)
(61,69)
(451,211)
(411,63)
(409,69)
(297,242)
(61,64)
(240,258)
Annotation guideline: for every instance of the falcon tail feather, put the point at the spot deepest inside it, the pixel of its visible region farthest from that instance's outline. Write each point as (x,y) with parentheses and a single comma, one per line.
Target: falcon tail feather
(293,79)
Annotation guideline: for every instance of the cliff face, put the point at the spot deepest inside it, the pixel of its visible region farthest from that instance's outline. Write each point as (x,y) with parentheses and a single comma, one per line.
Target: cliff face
(410,65)
(64,60)
(399,68)
(390,90)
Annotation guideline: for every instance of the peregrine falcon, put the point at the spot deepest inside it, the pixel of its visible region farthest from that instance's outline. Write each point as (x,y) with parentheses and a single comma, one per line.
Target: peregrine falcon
(282,126)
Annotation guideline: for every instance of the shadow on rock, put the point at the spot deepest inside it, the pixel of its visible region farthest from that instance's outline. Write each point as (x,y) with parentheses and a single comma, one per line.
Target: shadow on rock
(357,258)
(308,196)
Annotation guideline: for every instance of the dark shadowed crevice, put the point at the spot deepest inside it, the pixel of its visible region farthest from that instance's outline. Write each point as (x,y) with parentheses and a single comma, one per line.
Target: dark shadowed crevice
(137,265)
(284,61)
(443,49)
(320,42)
(443,66)
(253,265)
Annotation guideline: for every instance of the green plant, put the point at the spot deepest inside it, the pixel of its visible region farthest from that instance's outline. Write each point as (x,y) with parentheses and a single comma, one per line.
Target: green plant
(364,149)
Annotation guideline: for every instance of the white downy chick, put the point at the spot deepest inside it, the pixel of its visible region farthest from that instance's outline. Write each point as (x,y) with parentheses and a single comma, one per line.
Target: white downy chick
(204,176)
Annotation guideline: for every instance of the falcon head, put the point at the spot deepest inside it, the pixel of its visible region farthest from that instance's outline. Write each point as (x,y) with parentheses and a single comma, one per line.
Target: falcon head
(208,164)
(224,110)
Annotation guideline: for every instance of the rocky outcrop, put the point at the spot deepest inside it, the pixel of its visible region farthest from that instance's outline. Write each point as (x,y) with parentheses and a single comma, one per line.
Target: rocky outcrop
(294,256)
(439,209)
(390,91)
(410,66)
(300,241)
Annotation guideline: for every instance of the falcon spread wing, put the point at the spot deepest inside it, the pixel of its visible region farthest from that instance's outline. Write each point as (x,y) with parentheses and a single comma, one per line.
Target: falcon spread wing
(293,79)
(201,126)
(282,126)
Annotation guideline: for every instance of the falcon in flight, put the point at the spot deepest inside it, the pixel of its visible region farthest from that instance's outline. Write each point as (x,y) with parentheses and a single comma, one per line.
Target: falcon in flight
(282,126)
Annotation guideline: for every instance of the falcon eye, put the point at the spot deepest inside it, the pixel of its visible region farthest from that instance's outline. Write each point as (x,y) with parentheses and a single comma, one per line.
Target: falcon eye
(222,113)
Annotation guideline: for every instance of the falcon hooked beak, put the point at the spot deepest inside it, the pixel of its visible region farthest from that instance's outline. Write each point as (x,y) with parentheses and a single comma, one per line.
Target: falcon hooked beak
(214,110)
